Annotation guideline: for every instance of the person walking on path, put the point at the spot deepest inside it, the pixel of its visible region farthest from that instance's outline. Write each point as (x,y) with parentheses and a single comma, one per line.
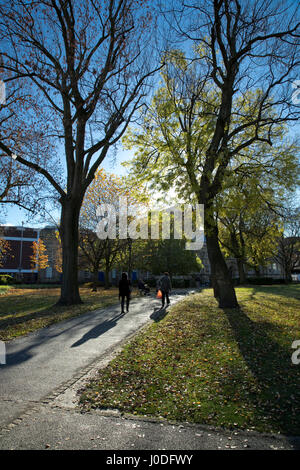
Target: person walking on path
(164,284)
(124,291)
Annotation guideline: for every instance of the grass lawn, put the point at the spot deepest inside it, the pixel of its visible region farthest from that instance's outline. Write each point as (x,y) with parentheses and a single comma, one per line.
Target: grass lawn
(24,309)
(202,364)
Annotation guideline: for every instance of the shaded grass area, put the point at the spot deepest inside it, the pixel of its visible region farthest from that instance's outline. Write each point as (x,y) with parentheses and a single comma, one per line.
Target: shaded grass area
(203,364)
(23,310)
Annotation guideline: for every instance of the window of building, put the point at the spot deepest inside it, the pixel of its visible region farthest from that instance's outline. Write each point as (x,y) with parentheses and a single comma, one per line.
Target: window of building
(48,273)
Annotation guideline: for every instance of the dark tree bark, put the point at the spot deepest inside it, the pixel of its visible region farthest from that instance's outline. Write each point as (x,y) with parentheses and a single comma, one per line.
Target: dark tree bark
(69,240)
(241,269)
(107,283)
(257,271)
(95,280)
(129,258)
(243,46)
(91,252)
(112,249)
(221,280)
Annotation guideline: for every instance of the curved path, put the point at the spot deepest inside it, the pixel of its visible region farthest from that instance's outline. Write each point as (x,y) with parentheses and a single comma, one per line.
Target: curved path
(46,360)
(45,369)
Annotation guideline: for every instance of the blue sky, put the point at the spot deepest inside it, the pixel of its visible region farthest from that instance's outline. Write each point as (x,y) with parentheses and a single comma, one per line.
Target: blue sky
(112,164)
(15,216)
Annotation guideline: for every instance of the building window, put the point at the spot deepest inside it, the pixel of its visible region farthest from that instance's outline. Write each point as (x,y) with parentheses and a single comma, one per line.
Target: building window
(48,273)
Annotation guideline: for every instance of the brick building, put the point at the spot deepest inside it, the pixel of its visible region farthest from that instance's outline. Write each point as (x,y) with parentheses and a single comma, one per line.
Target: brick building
(17,261)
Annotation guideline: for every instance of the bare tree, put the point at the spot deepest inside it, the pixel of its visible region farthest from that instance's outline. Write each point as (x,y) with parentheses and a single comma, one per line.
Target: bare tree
(21,185)
(88,63)
(95,253)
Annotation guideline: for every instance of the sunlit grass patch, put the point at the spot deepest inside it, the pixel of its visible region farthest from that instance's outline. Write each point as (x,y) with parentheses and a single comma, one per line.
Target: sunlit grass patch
(23,310)
(4,289)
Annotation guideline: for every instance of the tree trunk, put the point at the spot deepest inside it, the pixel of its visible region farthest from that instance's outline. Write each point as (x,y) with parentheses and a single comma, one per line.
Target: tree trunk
(129,258)
(241,270)
(222,284)
(288,275)
(69,241)
(106,277)
(95,280)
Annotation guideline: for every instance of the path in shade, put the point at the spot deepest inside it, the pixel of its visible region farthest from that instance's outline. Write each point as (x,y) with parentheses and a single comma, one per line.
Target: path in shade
(45,369)
(41,362)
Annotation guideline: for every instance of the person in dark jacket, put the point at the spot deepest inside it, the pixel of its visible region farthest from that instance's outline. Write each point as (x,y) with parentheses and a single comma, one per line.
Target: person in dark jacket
(124,291)
(164,284)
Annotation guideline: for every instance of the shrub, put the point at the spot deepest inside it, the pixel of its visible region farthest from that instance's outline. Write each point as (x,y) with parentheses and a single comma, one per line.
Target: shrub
(6,279)
(151,282)
(264,281)
(178,283)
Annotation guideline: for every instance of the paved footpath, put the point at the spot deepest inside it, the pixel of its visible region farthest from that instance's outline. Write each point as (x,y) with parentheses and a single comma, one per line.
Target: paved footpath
(45,369)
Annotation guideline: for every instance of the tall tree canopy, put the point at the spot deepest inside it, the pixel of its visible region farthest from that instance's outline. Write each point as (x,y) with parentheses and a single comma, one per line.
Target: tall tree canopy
(19,184)
(86,64)
(228,94)
(288,253)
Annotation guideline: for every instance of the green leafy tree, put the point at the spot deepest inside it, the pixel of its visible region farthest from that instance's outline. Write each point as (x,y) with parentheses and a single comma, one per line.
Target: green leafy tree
(252,241)
(251,205)
(207,117)
(165,254)
(158,256)
(288,247)
(96,253)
